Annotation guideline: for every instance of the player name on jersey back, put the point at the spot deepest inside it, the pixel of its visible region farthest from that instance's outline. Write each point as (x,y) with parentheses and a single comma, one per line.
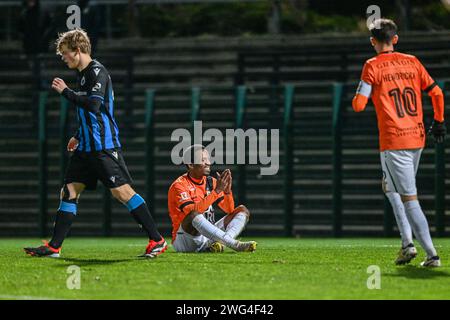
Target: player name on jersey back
(397,81)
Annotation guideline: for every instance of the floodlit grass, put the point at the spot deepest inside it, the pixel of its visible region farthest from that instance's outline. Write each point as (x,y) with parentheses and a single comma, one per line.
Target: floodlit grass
(279,269)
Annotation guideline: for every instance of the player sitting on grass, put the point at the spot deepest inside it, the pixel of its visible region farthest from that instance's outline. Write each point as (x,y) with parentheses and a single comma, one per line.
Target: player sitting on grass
(96,148)
(394,81)
(191,198)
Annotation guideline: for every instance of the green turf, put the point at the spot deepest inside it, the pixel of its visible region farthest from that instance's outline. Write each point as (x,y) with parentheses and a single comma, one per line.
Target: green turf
(279,269)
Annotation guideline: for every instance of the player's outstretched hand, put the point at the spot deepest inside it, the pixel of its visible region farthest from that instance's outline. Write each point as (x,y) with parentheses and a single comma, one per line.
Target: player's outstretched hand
(58,85)
(223,181)
(72,145)
(438,130)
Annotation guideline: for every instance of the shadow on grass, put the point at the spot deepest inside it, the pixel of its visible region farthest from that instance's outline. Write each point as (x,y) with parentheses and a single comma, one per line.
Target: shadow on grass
(415,272)
(94,262)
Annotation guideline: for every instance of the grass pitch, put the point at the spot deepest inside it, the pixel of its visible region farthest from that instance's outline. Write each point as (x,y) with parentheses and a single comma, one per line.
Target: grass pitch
(279,269)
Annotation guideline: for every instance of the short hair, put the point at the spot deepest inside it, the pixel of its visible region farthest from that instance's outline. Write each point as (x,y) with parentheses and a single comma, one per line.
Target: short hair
(383,30)
(74,39)
(189,154)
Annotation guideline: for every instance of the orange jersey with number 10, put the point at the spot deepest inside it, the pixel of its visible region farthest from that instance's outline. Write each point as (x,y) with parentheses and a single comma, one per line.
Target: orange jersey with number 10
(395,81)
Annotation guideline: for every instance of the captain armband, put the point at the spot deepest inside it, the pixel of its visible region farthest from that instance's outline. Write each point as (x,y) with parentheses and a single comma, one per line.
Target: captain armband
(364,89)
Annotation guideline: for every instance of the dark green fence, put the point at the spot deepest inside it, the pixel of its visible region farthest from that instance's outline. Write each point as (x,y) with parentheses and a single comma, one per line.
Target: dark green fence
(286,124)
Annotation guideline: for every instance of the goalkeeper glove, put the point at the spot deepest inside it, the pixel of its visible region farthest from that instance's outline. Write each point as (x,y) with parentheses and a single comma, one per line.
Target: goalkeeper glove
(438,130)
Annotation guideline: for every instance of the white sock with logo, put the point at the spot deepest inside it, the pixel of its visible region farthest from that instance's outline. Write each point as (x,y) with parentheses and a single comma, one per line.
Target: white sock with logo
(236,225)
(419,225)
(210,231)
(400,216)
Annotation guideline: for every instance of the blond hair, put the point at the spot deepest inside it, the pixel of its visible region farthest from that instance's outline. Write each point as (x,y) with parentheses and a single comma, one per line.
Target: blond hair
(74,39)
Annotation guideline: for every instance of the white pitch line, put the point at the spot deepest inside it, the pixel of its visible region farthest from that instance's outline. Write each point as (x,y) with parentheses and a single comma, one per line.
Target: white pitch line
(11,297)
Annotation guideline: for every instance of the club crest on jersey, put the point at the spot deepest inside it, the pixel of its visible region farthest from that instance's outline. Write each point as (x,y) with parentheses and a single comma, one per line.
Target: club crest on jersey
(184,196)
(83,81)
(96,70)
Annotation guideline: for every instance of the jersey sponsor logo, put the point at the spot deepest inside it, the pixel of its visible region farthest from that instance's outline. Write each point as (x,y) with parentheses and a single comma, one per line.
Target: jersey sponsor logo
(395,63)
(96,70)
(97,86)
(83,81)
(410,131)
(209,214)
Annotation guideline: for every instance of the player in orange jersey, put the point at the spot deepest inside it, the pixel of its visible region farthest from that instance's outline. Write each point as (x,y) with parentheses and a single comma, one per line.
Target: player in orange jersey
(190,201)
(395,81)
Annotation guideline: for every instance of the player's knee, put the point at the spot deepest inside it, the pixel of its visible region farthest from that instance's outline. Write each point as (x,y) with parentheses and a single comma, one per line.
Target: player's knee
(68,195)
(191,216)
(123,198)
(186,224)
(123,193)
(242,209)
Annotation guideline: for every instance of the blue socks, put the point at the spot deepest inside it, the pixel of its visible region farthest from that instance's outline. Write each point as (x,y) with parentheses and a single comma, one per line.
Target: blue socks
(139,210)
(64,217)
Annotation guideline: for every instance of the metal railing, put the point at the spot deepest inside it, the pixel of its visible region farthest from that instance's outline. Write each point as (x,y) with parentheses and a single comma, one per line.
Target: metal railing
(43,165)
(439,182)
(337,158)
(289,91)
(241,102)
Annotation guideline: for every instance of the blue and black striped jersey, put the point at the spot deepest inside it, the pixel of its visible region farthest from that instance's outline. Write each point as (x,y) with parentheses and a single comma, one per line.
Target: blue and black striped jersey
(95,109)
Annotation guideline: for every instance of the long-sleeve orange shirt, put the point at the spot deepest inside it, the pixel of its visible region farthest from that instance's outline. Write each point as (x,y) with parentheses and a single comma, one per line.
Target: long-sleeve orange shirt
(187,194)
(394,81)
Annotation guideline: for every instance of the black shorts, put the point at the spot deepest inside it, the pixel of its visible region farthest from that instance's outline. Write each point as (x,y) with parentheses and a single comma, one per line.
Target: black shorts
(108,166)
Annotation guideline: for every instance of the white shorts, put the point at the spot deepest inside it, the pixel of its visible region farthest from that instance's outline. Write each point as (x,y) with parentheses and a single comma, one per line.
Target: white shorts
(399,170)
(185,242)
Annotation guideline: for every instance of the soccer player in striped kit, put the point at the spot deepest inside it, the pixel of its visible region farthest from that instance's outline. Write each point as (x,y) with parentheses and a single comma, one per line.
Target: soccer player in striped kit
(96,147)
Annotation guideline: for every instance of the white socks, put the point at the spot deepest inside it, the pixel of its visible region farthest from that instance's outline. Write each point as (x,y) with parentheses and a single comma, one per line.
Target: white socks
(236,225)
(409,215)
(210,231)
(400,216)
(419,224)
